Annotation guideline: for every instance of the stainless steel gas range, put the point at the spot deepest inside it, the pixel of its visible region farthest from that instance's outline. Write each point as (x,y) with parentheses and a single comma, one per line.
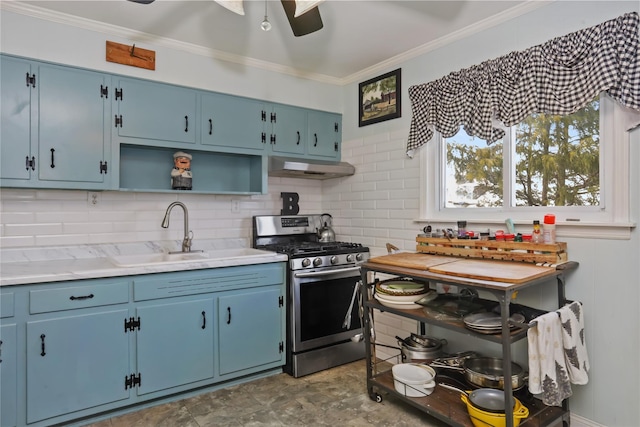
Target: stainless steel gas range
(324,327)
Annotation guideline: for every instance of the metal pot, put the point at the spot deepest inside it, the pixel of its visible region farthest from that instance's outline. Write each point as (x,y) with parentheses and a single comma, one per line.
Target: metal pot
(487,372)
(326,233)
(426,350)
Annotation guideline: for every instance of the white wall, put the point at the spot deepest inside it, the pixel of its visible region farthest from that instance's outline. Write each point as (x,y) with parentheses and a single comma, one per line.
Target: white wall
(375,206)
(380,202)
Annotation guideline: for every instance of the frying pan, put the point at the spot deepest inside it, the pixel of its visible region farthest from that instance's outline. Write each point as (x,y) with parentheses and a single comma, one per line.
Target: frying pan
(486,399)
(487,372)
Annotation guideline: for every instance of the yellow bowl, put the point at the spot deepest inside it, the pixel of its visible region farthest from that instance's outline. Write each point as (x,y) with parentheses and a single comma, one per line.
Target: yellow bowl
(481,418)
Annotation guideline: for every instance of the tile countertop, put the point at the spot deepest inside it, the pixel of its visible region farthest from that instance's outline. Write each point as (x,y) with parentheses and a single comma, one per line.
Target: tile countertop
(19,266)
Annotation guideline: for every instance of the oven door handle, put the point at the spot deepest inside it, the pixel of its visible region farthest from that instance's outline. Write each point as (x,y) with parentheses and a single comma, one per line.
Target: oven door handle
(326,272)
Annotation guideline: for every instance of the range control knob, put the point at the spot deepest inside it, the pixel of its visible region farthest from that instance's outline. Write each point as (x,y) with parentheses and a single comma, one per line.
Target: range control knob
(334,259)
(306,262)
(350,258)
(359,257)
(317,262)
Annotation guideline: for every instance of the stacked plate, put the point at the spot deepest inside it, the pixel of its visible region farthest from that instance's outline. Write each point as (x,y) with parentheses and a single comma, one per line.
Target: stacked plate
(401,294)
(489,323)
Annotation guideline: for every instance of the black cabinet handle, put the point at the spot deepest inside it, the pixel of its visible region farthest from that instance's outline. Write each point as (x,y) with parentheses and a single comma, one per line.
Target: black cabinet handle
(210,126)
(53,164)
(42,345)
(298,140)
(186,123)
(0,351)
(228,315)
(315,136)
(73,298)
(204,320)
(27,163)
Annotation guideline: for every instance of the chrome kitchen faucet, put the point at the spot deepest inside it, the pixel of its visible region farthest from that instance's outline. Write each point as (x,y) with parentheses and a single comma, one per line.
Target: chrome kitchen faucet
(188,234)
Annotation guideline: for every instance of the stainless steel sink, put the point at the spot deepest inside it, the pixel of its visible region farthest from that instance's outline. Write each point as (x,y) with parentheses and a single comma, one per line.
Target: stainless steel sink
(139,260)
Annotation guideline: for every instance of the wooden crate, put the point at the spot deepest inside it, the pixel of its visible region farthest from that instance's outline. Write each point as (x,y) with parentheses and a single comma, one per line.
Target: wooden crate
(538,253)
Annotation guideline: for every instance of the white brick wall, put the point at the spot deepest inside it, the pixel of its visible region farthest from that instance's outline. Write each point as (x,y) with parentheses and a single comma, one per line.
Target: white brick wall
(32,218)
(375,207)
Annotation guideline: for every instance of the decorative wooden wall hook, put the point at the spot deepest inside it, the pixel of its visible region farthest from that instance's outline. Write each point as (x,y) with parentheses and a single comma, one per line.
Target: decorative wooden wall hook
(131,55)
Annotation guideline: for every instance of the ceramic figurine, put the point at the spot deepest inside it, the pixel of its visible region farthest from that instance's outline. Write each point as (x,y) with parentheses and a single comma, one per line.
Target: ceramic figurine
(181,173)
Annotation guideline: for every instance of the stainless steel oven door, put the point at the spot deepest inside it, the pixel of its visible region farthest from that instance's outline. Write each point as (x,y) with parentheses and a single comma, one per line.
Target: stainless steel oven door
(321,300)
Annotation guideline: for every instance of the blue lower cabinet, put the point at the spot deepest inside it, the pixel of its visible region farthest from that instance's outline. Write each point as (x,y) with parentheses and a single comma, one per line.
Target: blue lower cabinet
(76,362)
(174,344)
(86,348)
(8,375)
(249,324)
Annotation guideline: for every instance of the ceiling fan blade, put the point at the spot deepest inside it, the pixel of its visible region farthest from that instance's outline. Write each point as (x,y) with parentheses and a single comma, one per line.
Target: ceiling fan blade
(303,24)
(143,1)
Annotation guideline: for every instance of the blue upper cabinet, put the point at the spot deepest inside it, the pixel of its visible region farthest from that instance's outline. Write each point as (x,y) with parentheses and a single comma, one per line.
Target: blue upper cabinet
(15,133)
(53,126)
(325,135)
(154,111)
(287,130)
(233,123)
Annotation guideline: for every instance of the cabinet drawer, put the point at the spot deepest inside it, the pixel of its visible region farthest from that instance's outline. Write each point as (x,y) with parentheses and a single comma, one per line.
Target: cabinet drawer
(46,300)
(6,305)
(205,281)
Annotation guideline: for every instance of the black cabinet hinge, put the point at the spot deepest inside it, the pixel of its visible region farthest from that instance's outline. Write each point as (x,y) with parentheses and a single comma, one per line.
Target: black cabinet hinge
(31,80)
(30,163)
(104,91)
(103,167)
(263,138)
(132,380)
(273,139)
(263,115)
(119,120)
(335,127)
(131,324)
(280,301)
(335,146)
(118,94)
(273,117)
(281,347)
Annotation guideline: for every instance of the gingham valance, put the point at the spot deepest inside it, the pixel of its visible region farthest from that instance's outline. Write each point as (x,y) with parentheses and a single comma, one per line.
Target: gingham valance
(560,76)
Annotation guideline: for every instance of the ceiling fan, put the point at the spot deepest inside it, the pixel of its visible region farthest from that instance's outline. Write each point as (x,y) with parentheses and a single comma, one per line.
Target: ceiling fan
(303,15)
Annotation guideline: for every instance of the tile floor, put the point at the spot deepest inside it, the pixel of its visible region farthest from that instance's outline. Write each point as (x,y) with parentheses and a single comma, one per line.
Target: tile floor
(335,397)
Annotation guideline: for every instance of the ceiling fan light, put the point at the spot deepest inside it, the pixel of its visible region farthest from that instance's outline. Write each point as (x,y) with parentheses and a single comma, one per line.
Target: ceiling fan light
(234,6)
(303,6)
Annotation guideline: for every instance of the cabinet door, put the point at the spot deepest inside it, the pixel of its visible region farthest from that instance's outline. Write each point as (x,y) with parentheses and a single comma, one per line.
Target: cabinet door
(156,111)
(288,127)
(71,124)
(325,135)
(175,344)
(15,129)
(76,362)
(231,121)
(8,375)
(250,328)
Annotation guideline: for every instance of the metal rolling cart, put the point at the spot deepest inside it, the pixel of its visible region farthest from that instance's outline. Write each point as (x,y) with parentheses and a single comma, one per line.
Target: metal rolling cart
(445,404)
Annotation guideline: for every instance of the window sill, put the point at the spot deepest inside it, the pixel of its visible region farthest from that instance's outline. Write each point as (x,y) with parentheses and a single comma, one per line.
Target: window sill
(590,230)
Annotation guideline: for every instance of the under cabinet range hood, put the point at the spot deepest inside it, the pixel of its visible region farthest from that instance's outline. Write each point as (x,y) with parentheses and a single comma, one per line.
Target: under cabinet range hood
(310,169)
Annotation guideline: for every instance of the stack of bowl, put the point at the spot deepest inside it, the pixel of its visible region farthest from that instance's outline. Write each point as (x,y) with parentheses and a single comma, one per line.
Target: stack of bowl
(400,293)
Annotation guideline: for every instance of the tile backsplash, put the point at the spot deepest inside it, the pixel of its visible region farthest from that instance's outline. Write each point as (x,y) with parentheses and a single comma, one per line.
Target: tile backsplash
(34,218)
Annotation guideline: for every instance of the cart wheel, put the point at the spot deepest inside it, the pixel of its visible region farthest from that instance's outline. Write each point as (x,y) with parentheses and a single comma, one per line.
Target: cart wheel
(376,397)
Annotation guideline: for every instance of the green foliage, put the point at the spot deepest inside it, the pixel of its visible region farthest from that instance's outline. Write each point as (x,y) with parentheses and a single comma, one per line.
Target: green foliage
(556,162)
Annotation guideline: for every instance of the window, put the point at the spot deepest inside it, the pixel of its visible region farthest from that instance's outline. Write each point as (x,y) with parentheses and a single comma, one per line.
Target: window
(574,166)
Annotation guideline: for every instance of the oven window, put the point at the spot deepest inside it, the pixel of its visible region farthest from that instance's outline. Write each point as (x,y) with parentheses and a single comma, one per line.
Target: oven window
(324,305)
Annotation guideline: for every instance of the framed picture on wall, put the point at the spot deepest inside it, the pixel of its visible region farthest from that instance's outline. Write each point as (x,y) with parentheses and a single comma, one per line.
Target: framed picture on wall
(380,99)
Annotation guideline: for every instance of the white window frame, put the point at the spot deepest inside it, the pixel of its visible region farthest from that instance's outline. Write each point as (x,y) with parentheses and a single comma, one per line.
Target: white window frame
(610,220)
